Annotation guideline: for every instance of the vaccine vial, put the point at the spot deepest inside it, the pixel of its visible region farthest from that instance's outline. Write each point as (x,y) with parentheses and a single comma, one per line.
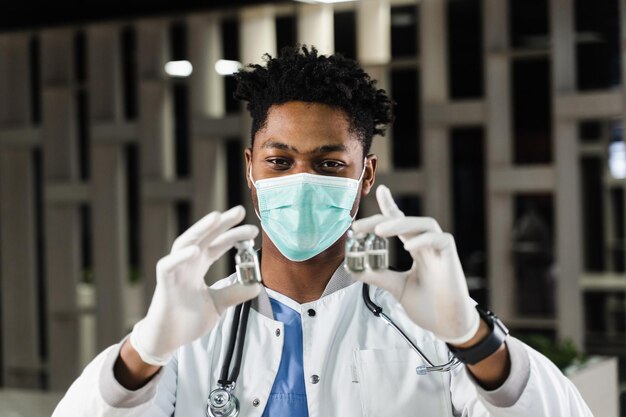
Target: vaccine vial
(247,263)
(377,251)
(355,252)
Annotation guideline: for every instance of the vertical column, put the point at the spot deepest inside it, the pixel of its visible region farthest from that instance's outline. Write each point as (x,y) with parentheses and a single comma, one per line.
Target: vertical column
(208,163)
(257,36)
(622,20)
(18,260)
(568,202)
(434,88)
(315,27)
(59,139)
(156,141)
(110,254)
(374,54)
(498,133)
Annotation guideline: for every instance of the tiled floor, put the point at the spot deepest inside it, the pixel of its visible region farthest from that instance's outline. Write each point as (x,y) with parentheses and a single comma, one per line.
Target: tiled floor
(23,403)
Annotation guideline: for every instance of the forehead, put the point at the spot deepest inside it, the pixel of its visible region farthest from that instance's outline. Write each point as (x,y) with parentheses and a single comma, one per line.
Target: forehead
(307,126)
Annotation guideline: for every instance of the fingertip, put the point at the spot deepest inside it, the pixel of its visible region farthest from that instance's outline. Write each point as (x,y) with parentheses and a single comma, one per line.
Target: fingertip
(382,191)
(356,226)
(254,230)
(237,213)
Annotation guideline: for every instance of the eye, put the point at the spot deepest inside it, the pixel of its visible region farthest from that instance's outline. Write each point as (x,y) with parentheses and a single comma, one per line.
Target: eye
(331,165)
(278,163)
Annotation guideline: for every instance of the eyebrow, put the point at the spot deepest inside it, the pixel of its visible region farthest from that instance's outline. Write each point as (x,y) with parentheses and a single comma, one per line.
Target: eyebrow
(272,144)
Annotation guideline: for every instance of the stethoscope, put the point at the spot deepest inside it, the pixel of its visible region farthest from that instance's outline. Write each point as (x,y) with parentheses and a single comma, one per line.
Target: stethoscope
(222,402)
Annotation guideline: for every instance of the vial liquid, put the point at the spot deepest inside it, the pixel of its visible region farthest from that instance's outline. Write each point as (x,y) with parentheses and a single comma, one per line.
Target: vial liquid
(247,263)
(355,261)
(377,259)
(355,252)
(377,251)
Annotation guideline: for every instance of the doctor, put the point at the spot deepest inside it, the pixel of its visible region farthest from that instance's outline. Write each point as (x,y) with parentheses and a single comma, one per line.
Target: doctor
(312,347)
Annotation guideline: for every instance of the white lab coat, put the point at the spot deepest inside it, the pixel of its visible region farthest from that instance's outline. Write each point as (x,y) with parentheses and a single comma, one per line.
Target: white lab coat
(364,369)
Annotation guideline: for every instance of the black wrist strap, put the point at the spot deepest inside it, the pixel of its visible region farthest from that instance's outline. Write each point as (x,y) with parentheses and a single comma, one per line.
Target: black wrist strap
(488,345)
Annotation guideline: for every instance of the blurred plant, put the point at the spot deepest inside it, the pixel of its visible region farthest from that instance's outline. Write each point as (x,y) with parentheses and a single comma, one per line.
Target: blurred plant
(562,353)
(134,275)
(86,276)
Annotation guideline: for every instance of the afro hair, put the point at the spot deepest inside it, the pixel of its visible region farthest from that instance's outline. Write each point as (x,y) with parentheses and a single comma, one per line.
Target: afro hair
(300,74)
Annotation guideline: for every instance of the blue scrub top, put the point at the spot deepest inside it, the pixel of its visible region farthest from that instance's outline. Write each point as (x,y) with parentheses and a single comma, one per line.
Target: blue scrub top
(288,395)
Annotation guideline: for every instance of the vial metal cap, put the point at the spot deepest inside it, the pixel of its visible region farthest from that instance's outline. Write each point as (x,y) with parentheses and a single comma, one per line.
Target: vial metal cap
(244,244)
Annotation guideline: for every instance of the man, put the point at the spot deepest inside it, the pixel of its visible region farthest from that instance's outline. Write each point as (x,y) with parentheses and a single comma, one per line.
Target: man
(312,345)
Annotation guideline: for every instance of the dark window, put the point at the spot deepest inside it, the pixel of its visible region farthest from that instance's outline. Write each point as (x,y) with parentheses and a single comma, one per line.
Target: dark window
(133,206)
(86,244)
(597,47)
(404,33)
(529,24)
(178,41)
(235,167)
(593,213)
(406,132)
(468,190)
(617,246)
(590,130)
(533,254)
(80,57)
(181,128)
(410,206)
(84,156)
(605,325)
(285,32)
(128,41)
(180,91)
(345,33)
(42,312)
(230,48)
(183,216)
(532,111)
(237,192)
(230,39)
(34,66)
(465,49)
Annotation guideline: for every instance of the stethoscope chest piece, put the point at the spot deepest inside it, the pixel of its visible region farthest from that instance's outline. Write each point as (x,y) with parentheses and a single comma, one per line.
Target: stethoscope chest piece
(222,403)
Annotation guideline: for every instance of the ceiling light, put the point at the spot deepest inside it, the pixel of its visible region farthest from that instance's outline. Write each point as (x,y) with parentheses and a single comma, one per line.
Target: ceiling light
(178,69)
(324,1)
(227,67)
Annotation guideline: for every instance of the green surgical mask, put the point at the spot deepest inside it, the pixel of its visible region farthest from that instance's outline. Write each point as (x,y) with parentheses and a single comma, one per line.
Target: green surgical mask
(304,214)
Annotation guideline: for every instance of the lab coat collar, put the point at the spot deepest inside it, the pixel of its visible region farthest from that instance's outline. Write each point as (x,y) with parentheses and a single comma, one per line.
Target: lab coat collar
(340,280)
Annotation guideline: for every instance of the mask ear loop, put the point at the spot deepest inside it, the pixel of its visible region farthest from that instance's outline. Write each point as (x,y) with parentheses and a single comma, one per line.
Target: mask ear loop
(258,215)
(360,179)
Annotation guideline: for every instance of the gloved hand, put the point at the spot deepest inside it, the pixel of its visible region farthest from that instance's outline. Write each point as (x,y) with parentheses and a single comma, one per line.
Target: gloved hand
(183,307)
(433,292)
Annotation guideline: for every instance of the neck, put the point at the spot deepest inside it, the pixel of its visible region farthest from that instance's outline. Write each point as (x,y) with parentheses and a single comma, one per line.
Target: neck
(301,281)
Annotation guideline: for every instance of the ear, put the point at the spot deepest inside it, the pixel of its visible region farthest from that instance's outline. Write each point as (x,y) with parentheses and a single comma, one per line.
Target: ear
(248,155)
(369,176)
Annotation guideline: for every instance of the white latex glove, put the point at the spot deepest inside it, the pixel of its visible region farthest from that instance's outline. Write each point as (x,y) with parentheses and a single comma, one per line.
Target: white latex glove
(183,307)
(433,292)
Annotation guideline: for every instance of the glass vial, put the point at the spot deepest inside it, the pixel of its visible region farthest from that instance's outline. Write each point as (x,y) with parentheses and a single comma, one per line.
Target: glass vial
(377,251)
(355,252)
(247,263)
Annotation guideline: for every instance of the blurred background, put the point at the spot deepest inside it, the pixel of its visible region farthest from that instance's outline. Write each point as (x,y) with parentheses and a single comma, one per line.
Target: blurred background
(118,130)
